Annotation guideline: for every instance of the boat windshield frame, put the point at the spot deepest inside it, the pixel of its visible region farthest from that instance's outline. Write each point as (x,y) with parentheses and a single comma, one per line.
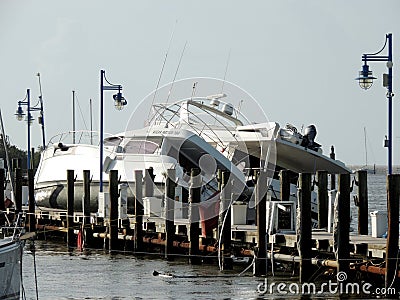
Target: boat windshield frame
(160,111)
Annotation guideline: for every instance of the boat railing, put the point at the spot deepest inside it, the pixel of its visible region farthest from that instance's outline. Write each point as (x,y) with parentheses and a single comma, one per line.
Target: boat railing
(13,229)
(202,118)
(78,137)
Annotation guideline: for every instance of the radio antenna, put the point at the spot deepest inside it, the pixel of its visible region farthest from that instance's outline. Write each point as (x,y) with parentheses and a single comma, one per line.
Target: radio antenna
(226,70)
(41,118)
(162,68)
(176,72)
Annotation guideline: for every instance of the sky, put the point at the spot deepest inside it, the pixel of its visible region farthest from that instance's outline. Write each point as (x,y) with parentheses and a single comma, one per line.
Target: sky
(298,59)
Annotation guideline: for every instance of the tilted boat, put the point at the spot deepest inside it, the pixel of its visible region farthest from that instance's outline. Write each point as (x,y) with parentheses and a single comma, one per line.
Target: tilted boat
(202,132)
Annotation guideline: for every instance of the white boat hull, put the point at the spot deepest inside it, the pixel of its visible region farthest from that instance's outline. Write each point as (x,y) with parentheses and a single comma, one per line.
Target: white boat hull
(10,268)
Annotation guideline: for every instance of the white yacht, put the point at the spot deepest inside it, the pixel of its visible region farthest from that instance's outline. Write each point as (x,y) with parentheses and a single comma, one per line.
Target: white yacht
(199,131)
(157,149)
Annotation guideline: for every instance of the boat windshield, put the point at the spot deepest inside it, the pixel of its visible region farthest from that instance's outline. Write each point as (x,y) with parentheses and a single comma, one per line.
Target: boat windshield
(140,147)
(112,141)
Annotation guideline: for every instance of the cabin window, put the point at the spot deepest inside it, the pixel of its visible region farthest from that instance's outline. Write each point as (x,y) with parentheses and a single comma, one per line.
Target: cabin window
(140,147)
(113,141)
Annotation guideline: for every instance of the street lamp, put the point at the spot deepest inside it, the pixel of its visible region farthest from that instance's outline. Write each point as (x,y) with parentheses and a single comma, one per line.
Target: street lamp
(366,79)
(119,103)
(20,116)
(29,119)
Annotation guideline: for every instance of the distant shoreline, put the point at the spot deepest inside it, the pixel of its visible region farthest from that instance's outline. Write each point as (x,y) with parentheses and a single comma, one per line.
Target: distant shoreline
(380,169)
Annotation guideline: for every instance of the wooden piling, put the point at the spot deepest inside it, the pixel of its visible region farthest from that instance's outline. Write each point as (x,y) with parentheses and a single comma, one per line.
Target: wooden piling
(194,201)
(87,229)
(31,202)
(32,166)
(2,204)
(284,177)
(392,242)
(15,163)
(139,210)
(113,224)
(70,208)
(333,176)
(170,214)
(185,203)
(149,183)
(18,191)
(322,178)
(226,212)
(260,267)
(362,202)
(342,224)
(304,226)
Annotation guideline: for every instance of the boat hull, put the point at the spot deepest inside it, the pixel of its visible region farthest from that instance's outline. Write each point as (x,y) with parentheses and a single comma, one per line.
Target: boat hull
(10,268)
(54,195)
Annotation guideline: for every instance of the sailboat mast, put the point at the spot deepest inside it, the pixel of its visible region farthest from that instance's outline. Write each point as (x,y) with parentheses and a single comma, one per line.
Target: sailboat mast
(73,117)
(91,122)
(365,146)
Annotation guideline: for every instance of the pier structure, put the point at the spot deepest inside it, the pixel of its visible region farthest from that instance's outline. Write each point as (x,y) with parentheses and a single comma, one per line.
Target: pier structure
(281,231)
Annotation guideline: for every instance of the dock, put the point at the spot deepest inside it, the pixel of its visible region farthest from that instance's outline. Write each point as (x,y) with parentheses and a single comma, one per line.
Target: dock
(288,234)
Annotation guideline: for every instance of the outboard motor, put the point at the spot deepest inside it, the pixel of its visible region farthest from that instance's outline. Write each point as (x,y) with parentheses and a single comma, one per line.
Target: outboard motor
(310,132)
(309,137)
(62,147)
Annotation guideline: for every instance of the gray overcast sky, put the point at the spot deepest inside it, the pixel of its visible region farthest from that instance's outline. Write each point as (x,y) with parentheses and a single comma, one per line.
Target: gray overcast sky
(298,59)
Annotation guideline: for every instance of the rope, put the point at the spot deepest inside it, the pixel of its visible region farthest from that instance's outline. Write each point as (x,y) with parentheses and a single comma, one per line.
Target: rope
(395,273)
(21,277)
(33,250)
(219,239)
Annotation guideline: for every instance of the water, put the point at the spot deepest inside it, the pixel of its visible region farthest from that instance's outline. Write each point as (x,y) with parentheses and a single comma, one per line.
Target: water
(98,276)
(64,275)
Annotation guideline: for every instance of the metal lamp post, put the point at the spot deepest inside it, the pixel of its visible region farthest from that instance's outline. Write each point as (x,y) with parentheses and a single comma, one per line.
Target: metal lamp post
(20,116)
(366,79)
(119,102)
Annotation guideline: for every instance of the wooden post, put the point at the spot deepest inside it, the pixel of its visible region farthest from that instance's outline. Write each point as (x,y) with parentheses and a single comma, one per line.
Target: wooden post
(392,242)
(185,203)
(113,224)
(18,191)
(362,202)
(225,211)
(87,229)
(284,177)
(304,226)
(322,177)
(169,214)
(333,176)
(260,267)
(149,183)
(15,163)
(32,166)
(194,201)
(31,203)
(2,204)
(70,208)
(342,224)
(139,210)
